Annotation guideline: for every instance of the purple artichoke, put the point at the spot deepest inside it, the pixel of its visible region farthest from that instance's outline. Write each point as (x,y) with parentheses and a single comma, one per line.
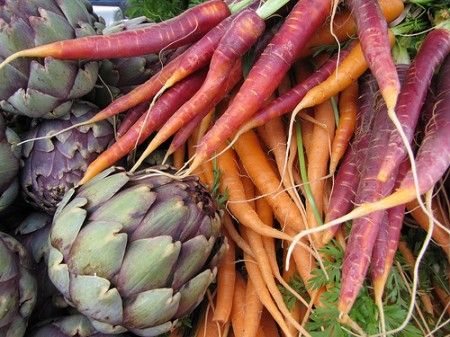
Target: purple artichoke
(52,166)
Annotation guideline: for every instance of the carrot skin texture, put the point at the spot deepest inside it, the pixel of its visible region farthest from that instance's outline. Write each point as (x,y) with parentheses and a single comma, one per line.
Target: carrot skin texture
(344,26)
(365,229)
(373,34)
(413,94)
(131,117)
(287,102)
(167,105)
(267,73)
(348,175)
(430,164)
(185,132)
(183,29)
(387,240)
(348,111)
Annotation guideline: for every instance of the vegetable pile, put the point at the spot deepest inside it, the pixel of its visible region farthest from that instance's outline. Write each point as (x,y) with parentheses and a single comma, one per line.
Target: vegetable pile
(236,168)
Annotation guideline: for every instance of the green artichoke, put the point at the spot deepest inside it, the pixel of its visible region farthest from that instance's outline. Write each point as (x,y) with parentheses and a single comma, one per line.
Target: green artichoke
(53,166)
(135,251)
(70,326)
(9,166)
(17,287)
(44,87)
(33,234)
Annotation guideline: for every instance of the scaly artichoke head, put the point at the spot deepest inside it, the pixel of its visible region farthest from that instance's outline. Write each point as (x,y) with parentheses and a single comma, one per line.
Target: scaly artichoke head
(17,287)
(70,326)
(44,87)
(135,251)
(53,166)
(9,165)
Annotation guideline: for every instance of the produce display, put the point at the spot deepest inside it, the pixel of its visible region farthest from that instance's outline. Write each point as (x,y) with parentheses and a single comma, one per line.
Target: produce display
(240,168)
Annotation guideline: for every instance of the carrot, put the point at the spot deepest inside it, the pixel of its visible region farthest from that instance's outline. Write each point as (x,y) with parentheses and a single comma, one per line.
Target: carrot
(226,278)
(264,295)
(268,325)
(344,26)
(253,311)
(237,204)
(387,242)
(238,308)
(266,74)
(348,110)
(206,327)
(430,168)
(348,175)
(412,97)
(373,35)
(240,36)
(235,236)
(257,166)
(318,160)
(443,296)
(364,230)
(351,68)
(146,124)
(183,29)
(131,117)
(178,157)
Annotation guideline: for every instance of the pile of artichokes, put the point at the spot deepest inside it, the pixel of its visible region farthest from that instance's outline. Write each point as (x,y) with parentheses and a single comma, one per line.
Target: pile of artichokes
(123,255)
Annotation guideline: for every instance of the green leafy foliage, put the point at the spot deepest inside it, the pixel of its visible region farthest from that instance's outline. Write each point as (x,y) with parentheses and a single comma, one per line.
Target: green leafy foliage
(221,199)
(157,10)
(297,284)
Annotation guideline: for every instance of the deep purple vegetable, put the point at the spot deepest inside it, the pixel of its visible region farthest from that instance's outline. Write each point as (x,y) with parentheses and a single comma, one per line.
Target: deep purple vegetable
(412,96)
(131,117)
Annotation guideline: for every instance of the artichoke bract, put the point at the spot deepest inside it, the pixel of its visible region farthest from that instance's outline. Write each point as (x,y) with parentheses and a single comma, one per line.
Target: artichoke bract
(53,166)
(71,326)
(9,166)
(17,287)
(44,87)
(33,234)
(135,251)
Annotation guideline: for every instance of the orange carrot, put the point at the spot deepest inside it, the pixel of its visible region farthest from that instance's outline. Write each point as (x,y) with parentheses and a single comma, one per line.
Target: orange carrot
(344,26)
(238,308)
(231,183)
(350,69)
(443,297)
(318,160)
(253,311)
(268,325)
(348,108)
(234,235)
(226,278)
(178,157)
(206,327)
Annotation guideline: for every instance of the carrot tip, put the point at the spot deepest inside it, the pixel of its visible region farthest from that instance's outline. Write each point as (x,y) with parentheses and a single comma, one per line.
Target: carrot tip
(327,237)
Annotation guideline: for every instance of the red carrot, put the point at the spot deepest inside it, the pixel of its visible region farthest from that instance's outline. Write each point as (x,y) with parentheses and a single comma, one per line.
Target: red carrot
(267,73)
(412,97)
(365,229)
(288,101)
(147,123)
(241,35)
(131,117)
(183,29)
(373,34)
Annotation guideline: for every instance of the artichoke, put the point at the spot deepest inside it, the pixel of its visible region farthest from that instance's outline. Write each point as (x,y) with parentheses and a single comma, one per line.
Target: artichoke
(44,87)
(33,233)
(53,166)
(9,166)
(17,287)
(135,251)
(70,326)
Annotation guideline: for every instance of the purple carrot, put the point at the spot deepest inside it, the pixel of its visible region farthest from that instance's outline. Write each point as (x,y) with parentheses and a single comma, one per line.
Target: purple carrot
(373,34)
(287,102)
(387,241)
(365,229)
(168,103)
(434,49)
(348,175)
(131,117)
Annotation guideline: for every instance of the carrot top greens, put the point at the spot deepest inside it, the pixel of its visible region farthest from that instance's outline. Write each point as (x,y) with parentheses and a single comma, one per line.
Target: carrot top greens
(157,10)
